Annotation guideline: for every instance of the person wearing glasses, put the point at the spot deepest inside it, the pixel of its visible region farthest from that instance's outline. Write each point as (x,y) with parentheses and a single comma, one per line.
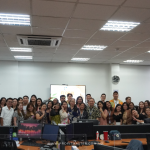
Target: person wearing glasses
(7,113)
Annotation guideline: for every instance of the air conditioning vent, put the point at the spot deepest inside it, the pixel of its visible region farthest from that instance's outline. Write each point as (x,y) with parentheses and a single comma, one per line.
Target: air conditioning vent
(37,40)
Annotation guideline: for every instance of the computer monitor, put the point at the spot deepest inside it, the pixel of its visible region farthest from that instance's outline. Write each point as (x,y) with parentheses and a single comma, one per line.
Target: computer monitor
(50,132)
(104,147)
(69,132)
(29,130)
(95,122)
(84,128)
(147,120)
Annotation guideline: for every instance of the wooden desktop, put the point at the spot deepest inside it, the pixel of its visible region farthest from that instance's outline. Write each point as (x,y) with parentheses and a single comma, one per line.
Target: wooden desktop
(111,143)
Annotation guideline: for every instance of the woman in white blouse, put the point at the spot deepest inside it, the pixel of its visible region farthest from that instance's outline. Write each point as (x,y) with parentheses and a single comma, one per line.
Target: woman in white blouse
(64,113)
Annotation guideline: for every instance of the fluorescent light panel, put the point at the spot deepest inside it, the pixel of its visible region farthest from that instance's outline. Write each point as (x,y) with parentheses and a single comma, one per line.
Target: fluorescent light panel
(93,47)
(133,61)
(80,59)
(12,19)
(19,49)
(23,57)
(148,51)
(119,26)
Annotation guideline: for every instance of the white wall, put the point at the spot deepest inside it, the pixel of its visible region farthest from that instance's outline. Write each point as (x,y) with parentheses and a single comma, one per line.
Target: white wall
(27,78)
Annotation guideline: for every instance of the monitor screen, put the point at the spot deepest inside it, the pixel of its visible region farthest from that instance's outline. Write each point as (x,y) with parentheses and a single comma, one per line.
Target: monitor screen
(83,128)
(69,132)
(50,132)
(30,130)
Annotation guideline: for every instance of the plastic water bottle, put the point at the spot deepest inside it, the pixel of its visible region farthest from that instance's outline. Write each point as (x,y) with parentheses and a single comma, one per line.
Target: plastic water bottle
(97,135)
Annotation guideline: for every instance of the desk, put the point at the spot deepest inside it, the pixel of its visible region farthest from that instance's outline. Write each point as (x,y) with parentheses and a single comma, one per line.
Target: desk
(111,143)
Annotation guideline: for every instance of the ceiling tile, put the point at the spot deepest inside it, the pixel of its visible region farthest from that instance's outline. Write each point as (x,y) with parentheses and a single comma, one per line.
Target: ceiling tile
(4,49)
(46,31)
(115,49)
(67,51)
(86,54)
(2,44)
(49,22)
(85,24)
(144,44)
(15,29)
(125,43)
(77,41)
(139,50)
(143,57)
(94,11)
(69,47)
(131,14)
(126,55)
(142,28)
(100,42)
(136,36)
(11,40)
(43,50)
(108,35)
(79,33)
(15,6)
(138,3)
(38,54)
(104,2)
(52,8)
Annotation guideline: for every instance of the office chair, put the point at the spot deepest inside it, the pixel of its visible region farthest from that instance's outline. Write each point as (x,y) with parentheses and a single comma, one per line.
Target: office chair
(135,145)
(7,144)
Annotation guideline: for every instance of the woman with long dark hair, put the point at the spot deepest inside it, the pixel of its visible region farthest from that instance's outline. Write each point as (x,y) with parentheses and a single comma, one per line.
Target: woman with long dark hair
(141,109)
(104,113)
(147,103)
(3,102)
(14,104)
(48,111)
(64,113)
(131,106)
(41,114)
(20,100)
(126,114)
(118,115)
(38,104)
(79,101)
(54,115)
(110,110)
(33,100)
(137,118)
(18,114)
(30,112)
(73,111)
(83,114)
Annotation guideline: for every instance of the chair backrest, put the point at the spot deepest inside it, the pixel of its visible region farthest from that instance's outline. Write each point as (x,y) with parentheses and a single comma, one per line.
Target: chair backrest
(135,145)
(7,144)
(148,141)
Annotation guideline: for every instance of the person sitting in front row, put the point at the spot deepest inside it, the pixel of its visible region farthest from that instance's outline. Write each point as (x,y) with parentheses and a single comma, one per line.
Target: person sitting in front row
(141,109)
(82,111)
(93,112)
(30,112)
(126,114)
(137,118)
(115,100)
(110,110)
(7,113)
(41,115)
(148,113)
(118,115)
(73,111)
(18,114)
(55,114)
(64,113)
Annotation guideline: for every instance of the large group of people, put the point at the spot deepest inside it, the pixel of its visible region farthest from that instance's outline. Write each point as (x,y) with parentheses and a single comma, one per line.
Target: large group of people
(67,110)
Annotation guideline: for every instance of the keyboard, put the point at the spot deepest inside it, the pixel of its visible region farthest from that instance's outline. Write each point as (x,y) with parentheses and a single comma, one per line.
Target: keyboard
(26,143)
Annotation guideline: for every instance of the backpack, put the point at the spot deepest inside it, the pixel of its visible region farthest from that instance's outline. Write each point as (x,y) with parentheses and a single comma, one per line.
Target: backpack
(114,135)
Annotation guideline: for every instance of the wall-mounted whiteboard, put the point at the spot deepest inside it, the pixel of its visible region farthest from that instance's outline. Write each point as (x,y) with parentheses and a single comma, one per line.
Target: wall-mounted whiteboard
(78,90)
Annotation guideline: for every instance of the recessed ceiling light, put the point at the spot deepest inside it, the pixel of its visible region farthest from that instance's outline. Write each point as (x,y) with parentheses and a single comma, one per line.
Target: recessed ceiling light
(19,49)
(80,59)
(148,51)
(23,57)
(93,47)
(133,61)
(12,19)
(119,26)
